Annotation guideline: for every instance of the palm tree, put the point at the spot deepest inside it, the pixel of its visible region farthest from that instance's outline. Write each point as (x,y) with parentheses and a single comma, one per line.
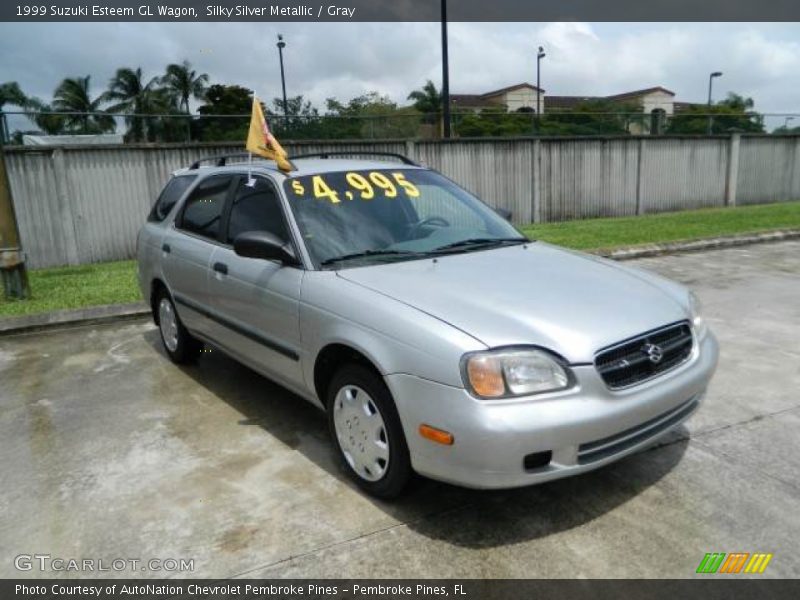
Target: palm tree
(135,97)
(39,112)
(10,93)
(72,96)
(428,101)
(185,83)
(46,117)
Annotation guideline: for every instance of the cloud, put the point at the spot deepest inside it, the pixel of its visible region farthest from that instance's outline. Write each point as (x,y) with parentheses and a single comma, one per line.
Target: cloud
(347,59)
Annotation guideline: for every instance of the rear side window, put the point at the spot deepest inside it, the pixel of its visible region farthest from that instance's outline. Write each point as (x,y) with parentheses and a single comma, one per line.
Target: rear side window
(203,209)
(171,193)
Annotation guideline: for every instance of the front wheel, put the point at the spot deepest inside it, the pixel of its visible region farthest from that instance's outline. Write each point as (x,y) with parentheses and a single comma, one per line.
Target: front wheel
(367,433)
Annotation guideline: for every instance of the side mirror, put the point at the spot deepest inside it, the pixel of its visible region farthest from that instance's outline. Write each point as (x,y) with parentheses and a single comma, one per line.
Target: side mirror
(504,212)
(262,244)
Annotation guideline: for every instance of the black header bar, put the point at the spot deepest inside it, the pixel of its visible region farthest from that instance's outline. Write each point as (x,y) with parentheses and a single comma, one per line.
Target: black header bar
(401,10)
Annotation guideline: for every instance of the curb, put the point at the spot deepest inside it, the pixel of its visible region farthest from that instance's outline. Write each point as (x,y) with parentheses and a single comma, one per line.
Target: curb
(116,312)
(73,318)
(729,241)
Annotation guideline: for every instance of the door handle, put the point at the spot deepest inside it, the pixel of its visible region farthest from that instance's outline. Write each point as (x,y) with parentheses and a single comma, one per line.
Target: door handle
(166,248)
(221,268)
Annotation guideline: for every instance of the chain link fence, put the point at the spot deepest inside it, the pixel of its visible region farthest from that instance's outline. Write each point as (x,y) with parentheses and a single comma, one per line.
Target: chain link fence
(137,128)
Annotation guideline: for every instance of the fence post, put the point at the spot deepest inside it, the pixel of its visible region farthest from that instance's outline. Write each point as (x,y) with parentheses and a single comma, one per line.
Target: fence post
(152,175)
(732,170)
(639,177)
(794,182)
(536,198)
(411,150)
(66,214)
(13,272)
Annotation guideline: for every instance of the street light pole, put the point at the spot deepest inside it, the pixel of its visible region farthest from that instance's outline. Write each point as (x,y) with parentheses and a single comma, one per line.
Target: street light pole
(445,76)
(539,56)
(281,45)
(710,84)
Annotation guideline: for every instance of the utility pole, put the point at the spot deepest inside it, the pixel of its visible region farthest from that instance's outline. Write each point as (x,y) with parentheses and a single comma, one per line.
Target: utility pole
(710,83)
(281,45)
(445,76)
(12,260)
(539,56)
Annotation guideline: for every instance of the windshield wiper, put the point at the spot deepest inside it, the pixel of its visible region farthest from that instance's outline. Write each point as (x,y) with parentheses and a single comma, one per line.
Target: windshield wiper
(479,242)
(369,254)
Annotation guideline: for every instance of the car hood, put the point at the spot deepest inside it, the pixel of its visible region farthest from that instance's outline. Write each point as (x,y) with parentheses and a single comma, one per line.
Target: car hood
(538,294)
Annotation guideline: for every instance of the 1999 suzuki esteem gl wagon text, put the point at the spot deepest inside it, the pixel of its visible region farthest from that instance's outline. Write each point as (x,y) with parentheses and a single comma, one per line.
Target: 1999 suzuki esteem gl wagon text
(436,337)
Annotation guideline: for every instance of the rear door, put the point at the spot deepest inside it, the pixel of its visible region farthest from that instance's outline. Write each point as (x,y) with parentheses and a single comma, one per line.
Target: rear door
(257,300)
(187,247)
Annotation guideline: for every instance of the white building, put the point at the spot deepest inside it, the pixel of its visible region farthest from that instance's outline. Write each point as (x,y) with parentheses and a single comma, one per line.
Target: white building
(656,104)
(520,97)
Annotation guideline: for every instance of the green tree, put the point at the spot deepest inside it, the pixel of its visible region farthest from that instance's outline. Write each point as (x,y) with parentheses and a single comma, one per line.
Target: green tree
(492,121)
(41,113)
(301,121)
(428,101)
(593,117)
(370,115)
(185,83)
(10,93)
(224,100)
(784,130)
(132,95)
(733,114)
(73,96)
(44,116)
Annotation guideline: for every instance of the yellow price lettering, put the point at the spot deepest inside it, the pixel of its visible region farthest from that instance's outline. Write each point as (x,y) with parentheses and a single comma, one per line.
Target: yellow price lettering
(298,188)
(359,183)
(411,190)
(383,182)
(323,190)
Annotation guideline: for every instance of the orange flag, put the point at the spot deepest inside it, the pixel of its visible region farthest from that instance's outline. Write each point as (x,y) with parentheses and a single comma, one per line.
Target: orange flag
(261,141)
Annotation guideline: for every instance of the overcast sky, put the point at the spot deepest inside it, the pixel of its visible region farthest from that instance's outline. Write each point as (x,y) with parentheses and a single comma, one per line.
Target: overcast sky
(347,59)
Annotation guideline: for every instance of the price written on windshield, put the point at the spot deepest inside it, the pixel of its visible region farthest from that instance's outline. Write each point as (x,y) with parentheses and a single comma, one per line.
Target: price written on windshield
(361,185)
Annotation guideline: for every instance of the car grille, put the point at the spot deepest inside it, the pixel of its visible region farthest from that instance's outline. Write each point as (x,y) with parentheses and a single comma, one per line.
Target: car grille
(599,449)
(644,356)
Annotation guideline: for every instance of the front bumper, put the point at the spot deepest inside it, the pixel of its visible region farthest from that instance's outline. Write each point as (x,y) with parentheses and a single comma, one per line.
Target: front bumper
(585,427)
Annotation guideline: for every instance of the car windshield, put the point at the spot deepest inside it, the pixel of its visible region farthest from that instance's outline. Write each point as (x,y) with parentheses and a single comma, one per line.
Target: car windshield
(352,218)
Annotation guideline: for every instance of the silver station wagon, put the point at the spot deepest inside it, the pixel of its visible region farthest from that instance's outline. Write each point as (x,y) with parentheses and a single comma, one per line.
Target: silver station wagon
(437,338)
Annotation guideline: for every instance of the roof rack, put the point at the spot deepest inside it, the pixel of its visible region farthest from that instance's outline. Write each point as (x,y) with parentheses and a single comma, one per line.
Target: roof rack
(222,159)
(404,159)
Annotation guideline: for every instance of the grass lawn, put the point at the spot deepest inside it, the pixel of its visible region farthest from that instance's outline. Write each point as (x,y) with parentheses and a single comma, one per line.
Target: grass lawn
(76,287)
(115,282)
(596,234)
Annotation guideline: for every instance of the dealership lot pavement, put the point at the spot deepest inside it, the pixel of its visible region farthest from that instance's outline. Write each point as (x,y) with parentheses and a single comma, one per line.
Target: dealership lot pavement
(110,451)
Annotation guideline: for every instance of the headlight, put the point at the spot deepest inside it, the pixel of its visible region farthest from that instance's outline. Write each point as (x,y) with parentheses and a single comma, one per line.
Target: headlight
(695,309)
(519,372)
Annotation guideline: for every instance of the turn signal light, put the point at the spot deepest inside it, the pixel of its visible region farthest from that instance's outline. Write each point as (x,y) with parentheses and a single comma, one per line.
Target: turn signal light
(486,376)
(436,435)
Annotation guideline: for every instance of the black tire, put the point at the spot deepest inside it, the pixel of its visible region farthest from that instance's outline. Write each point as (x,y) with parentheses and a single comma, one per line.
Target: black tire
(186,347)
(399,472)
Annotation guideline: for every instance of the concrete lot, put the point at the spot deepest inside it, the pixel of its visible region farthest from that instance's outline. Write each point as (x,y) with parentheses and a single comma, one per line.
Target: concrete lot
(110,451)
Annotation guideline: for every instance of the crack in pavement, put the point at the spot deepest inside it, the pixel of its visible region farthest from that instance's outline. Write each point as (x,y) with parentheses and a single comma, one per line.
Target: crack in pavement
(747,421)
